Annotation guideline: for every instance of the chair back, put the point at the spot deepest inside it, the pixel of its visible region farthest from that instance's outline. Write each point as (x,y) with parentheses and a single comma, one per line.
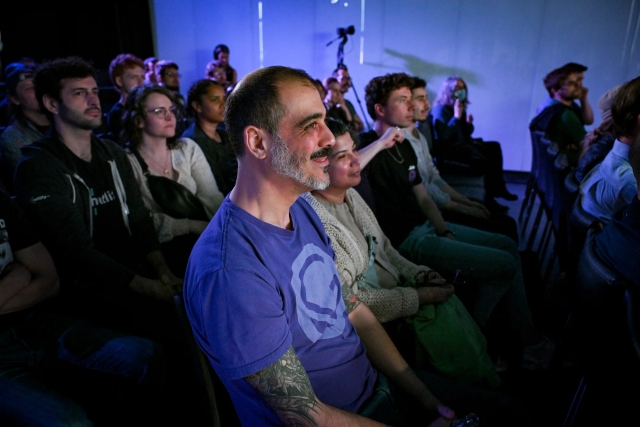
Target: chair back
(216,399)
(579,223)
(540,144)
(571,191)
(599,317)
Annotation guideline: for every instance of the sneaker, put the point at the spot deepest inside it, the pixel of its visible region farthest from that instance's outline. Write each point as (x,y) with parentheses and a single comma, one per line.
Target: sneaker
(538,356)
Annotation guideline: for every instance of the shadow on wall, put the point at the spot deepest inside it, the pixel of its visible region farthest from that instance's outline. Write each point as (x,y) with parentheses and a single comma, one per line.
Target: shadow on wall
(416,66)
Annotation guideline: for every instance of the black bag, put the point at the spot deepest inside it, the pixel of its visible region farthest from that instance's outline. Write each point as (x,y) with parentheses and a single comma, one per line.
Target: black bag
(173,198)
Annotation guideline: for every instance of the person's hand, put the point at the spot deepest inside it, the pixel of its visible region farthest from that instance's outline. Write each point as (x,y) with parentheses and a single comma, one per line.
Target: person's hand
(426,278)
(435,294)
(391,136)
(434,278)
(447,415)
(584,93)
(153,288)
(477,205)
(459,108)
(196,227)
(448,234)
(171,281)
(482,213)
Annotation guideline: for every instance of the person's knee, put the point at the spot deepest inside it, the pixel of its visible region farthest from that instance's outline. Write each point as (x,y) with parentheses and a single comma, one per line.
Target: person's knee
(507,244)
(505,265)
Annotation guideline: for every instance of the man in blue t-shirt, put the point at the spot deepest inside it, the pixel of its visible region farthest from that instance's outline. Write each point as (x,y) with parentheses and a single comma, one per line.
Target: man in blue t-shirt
(262,292)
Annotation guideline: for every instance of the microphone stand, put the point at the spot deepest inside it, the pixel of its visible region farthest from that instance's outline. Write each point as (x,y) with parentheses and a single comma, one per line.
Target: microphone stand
(341,62)
(364,116)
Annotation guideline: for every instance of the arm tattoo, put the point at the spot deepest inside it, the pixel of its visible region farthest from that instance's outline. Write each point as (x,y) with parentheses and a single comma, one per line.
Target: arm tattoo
(285,386)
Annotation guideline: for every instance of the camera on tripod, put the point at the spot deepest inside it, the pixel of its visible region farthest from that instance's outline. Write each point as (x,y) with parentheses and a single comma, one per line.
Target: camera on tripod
(344,32)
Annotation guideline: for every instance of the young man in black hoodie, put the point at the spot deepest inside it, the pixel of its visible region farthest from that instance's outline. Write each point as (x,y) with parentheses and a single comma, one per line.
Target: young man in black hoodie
(81,194)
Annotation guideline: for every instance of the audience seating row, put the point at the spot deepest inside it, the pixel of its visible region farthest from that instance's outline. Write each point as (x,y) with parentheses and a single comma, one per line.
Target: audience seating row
(602,324)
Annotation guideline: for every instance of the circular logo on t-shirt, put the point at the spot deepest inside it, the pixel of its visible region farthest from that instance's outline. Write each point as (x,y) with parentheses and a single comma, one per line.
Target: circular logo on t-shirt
(319,302)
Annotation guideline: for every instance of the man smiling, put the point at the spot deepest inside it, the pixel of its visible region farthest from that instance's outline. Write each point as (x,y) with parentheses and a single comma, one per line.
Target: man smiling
(262,292)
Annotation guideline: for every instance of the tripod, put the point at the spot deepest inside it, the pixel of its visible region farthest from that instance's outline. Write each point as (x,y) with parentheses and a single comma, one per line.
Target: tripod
(343,35)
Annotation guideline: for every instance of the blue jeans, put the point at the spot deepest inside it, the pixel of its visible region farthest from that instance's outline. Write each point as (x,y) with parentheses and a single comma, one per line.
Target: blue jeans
(388,405)
(490,259)
(33,343)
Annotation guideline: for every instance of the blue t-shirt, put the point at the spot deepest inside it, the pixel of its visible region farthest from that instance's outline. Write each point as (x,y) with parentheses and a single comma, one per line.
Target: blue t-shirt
(253,289)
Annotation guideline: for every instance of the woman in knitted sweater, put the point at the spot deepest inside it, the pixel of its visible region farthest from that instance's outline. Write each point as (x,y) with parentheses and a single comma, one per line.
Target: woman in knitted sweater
(373,272)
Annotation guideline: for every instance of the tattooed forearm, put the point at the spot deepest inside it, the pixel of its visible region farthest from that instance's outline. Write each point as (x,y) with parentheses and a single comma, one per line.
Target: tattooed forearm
(286,388)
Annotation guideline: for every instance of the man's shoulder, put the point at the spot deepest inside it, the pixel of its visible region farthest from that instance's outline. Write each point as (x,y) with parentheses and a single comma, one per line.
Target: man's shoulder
(367,137)
(44,148)
(234,238)
(14,129)
(116,108)
(21,129)
(109,146)
(568,113)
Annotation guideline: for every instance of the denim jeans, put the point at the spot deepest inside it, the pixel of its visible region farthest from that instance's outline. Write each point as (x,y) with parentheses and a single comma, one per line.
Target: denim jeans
(491,259)
(34,343)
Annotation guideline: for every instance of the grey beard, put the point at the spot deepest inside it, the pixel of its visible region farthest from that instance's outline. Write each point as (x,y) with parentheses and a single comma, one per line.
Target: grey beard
(291,166)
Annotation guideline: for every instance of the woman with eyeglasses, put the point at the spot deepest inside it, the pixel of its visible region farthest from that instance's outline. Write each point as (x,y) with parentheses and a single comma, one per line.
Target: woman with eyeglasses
(149,134)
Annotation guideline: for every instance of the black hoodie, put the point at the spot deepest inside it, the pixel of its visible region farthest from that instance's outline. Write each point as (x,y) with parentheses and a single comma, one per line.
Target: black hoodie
(57,201)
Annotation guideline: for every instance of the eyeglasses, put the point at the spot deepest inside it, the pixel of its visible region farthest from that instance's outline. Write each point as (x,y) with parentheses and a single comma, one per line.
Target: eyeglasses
(172,73)
(163,113)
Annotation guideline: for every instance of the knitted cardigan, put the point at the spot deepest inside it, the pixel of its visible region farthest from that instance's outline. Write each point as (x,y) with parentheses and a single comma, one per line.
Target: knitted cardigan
(352,260)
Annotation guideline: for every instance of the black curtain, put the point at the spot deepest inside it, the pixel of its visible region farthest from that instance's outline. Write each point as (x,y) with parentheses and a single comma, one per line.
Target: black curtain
(96,31)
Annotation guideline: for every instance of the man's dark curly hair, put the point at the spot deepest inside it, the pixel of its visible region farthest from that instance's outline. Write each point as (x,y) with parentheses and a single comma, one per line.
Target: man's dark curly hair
(626,109)
(49,75)
(379,89)
(418,83)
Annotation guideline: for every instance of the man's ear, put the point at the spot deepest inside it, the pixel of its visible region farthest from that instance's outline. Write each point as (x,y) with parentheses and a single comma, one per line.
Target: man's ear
(14,100)
(254,141)
(379,109)
(118,82)
(51,104)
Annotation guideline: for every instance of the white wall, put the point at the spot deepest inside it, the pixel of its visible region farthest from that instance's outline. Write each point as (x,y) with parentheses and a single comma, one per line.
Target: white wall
(502,48)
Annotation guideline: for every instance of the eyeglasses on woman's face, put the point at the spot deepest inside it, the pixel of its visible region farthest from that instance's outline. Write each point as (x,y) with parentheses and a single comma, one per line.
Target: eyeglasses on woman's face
(163,113)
